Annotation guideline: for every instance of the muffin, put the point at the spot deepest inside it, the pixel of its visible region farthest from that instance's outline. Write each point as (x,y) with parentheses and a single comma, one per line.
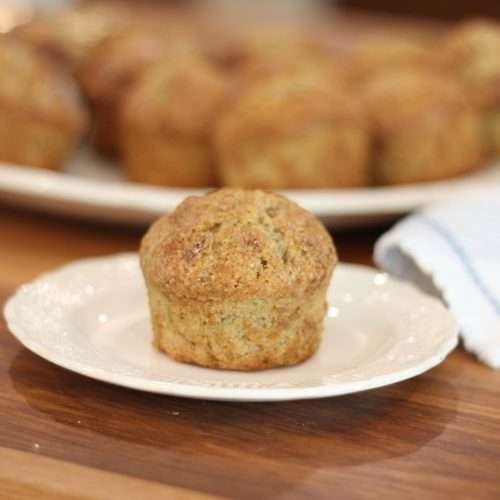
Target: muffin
(266,42)
(424,127)
(165,121)
(279,42)
(112,67)
(262,68)
(42,117)
(68,34)
(237,279)
(472,49)
(293,131)
(380,54)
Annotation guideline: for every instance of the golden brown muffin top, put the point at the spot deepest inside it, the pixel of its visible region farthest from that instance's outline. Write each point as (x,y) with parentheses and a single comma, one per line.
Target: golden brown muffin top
(270,42)
(472,49)
(69,33)
(260,68)
(285,105)
(396,98)
(277,42)
(32,85)
(120,58)
(181,96)
(379,54)
(234,244)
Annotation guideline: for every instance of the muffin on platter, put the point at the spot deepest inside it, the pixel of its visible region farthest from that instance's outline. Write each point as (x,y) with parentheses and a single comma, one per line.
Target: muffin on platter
(293,131)
(379,54)
(261,68)
(115,64)
(271,43)
(42,118)
(472,50)
(165,121)
(68,34)
(237,279)
(424,127)
(276,42)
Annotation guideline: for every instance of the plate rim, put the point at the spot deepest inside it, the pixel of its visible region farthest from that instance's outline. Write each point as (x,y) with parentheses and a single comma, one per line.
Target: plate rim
(241,394)
(142,203)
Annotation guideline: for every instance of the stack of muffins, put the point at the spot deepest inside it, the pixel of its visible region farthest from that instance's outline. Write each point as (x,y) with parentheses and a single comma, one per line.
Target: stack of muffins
(281,110)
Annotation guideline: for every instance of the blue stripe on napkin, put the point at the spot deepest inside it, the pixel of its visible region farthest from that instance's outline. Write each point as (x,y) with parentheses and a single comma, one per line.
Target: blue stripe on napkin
(464,259)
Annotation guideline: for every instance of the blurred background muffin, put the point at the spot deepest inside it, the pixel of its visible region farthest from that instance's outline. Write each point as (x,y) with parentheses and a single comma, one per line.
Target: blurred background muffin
(472,50)
(264,68)
(165,123)
(379,54)
(67,34)
(424,127)
(293,131)
(115,64)
(42,118)
(273,53)
(275,43)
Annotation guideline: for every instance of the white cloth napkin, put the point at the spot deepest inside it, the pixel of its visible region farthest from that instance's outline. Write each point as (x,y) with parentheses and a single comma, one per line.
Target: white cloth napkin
(453,249)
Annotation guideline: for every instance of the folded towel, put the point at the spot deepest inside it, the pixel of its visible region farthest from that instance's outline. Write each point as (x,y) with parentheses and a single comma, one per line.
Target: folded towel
(453,250)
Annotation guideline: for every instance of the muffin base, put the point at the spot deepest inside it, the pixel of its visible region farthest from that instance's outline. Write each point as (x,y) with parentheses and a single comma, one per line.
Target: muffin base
(167,161)
(248,335)
(429,151)
(491,132)
(326,157)
(24,140)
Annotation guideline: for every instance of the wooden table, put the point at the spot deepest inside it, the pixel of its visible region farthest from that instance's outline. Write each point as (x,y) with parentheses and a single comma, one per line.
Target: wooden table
(65,436)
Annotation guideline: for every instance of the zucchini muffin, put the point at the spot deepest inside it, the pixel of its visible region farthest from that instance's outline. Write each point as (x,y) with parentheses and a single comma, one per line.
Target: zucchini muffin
(270,43)
(42,118)
(115,64)
(165,121)
(472,49)
(67,35)
(264,68)
(293,131)
(424,127)
(237,279)
(374,55)
(280,42)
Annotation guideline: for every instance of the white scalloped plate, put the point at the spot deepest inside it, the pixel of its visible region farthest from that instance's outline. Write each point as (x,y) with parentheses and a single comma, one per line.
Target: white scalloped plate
(91,317)
(95,189)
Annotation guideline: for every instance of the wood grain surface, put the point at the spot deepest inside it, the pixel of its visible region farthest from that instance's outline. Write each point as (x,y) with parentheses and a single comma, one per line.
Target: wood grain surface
(65,436)
(31,475)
